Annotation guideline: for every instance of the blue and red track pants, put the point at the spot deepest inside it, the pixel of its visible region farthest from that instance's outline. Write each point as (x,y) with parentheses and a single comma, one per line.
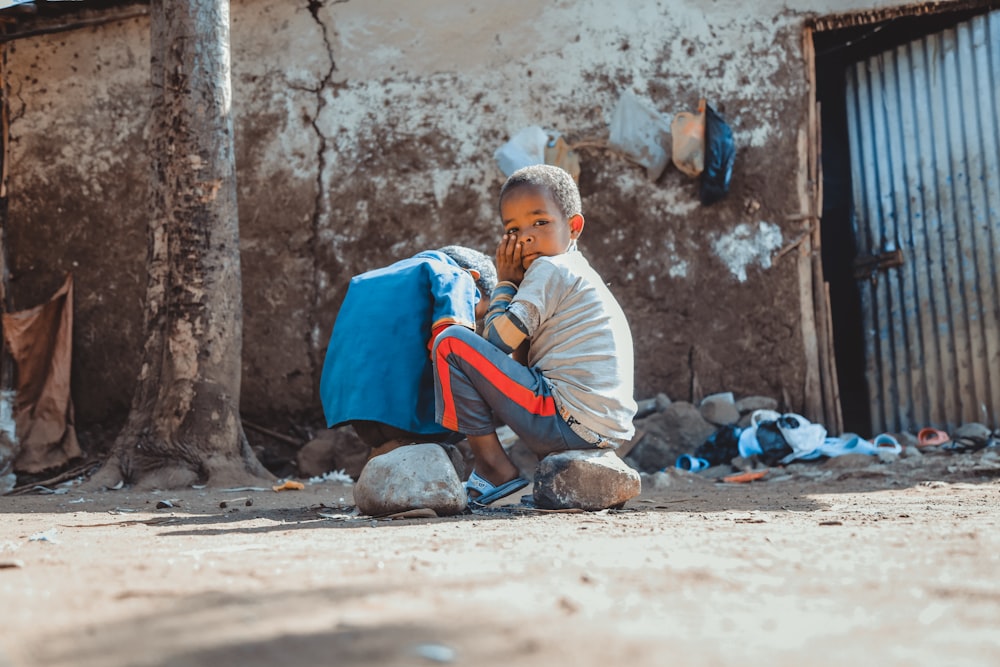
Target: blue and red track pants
(477,387)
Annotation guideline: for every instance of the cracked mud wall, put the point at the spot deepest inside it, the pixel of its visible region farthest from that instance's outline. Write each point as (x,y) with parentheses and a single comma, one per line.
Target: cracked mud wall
(426,94)
(365,133)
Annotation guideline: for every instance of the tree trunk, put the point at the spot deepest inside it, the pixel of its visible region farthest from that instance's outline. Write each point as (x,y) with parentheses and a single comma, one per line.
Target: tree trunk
(184,425)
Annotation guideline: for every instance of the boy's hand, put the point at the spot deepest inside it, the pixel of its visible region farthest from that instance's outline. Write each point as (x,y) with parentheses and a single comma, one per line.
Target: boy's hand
(509,260)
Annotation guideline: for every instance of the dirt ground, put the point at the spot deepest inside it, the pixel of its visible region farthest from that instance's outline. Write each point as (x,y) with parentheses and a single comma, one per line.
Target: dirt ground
(880,564)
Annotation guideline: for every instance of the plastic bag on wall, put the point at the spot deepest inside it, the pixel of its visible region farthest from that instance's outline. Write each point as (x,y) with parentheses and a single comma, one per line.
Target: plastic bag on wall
(525,148)
(688,133)
(642,133)
(720,154)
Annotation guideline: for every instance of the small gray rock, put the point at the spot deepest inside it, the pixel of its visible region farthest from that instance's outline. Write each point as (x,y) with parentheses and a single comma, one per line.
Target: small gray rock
(719,412)
(748,404)
(645,407)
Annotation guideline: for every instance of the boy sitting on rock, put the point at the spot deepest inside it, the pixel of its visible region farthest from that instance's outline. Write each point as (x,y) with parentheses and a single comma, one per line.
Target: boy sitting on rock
(569,383)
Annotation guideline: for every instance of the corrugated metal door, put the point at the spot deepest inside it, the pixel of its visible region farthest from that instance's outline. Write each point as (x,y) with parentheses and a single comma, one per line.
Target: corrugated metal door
(924,127)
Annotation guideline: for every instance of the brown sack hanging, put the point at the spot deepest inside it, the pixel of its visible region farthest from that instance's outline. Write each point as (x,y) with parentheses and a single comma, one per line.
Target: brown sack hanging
(40,340)
(559,153)
(688,133)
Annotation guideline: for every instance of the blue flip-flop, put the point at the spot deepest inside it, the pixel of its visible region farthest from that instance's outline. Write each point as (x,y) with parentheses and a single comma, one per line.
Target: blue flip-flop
(490,493)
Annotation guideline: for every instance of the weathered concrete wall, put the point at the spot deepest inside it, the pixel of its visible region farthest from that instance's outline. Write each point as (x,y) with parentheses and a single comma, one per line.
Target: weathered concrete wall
(365,132)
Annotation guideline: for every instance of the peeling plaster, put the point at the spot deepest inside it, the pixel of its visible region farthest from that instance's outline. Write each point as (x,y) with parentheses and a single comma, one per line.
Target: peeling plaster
(747,244)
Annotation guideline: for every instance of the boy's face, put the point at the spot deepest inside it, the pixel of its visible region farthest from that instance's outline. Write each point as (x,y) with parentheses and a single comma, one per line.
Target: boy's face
(530,215)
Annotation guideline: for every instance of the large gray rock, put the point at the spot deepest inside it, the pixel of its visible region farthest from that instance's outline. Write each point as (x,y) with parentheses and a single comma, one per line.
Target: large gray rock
(677,430)
(419,476)
(585,479)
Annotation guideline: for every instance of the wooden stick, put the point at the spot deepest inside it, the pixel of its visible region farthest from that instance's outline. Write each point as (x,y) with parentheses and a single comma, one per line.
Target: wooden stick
(61,477)
(273,434)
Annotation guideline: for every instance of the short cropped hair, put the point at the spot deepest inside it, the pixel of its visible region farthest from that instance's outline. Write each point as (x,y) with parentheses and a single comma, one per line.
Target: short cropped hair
(557,181)
(467,258)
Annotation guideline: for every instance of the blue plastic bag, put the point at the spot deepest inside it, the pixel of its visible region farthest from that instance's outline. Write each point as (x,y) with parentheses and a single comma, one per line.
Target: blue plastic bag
(720,154)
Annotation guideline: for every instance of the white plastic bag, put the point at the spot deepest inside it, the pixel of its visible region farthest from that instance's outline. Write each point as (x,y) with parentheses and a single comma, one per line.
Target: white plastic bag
(805,438)
(525,148)
(642,133)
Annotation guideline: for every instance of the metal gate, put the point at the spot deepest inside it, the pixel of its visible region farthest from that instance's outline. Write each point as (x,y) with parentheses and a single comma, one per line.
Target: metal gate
(924,128)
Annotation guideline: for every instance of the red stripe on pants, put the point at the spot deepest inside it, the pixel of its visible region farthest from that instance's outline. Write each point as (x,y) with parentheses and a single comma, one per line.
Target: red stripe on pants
(524,397)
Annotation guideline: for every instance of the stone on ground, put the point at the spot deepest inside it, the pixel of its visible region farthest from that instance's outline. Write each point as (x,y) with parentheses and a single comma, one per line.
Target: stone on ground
(585,479)
(419,476)
(719,409)
(748,404)
(679,429)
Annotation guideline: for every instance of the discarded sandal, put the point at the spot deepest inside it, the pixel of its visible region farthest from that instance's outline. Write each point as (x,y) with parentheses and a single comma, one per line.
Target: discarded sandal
(490,493)
(932,437)
(886,443)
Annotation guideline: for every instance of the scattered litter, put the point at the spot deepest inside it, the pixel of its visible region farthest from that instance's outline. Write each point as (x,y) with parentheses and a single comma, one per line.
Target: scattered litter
(642,132)
(932,437)
(198,487)
(239,489)
(338,476)
(78,501)
(46,536)
(289,485)
(164,504)
(435,652)
(247,501)
(525,148)
(121,510)
(692,463)
(117,487)
(720,153)
(745,477)
(353,515)
(46,491)
(688,134)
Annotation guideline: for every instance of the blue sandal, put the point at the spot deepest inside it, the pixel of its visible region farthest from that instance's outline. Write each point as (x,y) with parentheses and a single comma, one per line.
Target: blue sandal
(489,493)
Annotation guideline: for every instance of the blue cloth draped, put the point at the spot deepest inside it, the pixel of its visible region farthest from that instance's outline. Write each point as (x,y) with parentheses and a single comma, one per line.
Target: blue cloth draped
(378,365)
